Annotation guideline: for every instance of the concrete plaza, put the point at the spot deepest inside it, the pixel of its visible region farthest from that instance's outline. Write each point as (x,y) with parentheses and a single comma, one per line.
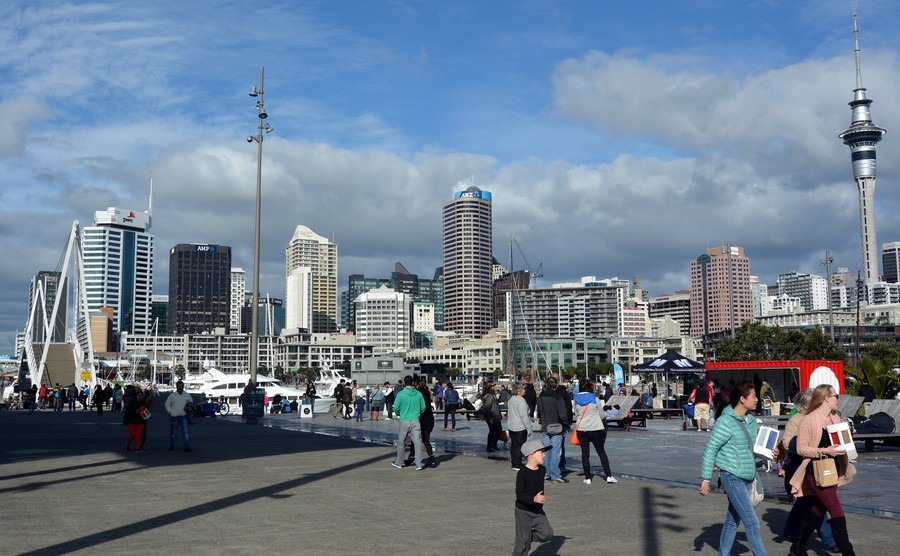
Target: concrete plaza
(323,486)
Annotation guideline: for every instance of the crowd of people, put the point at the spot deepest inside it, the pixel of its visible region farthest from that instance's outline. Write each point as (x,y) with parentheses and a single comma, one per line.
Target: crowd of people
(538,428)
(58,398)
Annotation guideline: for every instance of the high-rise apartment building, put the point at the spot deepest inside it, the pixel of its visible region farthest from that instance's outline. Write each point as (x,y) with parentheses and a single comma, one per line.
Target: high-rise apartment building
(421,290)
(311,250)
(384,319)
(573,310)
(676,306)
(118,268)
(238,292)
(199,288)
(720,291)
(467,258)
(759,292)
(298,312)
(890,260)
(810,289)
(635,318)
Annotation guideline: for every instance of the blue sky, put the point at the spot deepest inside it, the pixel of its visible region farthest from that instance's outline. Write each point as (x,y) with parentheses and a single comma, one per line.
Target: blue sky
(618,139)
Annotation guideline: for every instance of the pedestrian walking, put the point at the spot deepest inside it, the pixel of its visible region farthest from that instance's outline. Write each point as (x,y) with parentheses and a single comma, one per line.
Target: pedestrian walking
(729,448)
(135,411)
(802,505)
(177,406)
(813,443)
(98,400)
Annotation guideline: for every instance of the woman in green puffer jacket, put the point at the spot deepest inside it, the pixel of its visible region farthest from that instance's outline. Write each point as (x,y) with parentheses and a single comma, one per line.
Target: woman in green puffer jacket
(729,450)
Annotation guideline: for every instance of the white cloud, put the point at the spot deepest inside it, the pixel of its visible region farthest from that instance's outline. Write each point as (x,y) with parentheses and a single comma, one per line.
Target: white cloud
(16,117)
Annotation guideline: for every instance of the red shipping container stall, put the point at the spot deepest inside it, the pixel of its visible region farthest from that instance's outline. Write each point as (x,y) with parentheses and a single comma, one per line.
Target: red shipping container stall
(781,375)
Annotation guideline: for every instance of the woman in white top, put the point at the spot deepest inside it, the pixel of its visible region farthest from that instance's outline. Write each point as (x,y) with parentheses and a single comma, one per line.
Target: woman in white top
(589,423)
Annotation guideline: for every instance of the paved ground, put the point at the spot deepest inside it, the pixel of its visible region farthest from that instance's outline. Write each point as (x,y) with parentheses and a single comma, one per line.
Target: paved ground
(68,486)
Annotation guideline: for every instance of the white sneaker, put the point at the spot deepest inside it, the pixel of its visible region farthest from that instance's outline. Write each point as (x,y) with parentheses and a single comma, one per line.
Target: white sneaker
(586,481)
(611,480)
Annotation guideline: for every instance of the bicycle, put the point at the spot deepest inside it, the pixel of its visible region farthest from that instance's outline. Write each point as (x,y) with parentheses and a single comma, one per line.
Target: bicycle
(223,409)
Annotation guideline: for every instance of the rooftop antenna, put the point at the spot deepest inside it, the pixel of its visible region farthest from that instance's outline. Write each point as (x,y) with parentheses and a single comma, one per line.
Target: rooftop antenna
(856,49)
(150,206)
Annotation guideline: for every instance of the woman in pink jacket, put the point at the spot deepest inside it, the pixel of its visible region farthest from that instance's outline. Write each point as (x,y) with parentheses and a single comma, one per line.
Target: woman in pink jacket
(813,443)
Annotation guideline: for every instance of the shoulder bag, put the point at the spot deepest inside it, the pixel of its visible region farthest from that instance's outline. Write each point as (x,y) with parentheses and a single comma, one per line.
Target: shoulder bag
(756,489)
(574,438)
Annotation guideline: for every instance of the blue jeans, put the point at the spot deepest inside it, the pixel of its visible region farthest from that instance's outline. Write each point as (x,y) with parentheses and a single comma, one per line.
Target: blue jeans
(179,422)
(555,442)
(739,509)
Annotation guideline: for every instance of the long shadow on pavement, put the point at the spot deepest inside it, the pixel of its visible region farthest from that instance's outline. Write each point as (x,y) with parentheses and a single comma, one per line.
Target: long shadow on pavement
(193,512)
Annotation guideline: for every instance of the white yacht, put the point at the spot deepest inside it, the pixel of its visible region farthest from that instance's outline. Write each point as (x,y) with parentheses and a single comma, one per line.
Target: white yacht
(214,384)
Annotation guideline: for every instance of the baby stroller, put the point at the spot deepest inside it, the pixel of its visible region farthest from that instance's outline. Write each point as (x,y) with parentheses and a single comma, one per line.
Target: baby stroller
(688,416)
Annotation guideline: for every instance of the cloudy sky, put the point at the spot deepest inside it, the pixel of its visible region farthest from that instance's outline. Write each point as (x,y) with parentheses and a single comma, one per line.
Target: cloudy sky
(617,138)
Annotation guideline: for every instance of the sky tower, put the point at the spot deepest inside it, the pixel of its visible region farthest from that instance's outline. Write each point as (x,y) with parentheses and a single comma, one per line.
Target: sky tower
(862,137)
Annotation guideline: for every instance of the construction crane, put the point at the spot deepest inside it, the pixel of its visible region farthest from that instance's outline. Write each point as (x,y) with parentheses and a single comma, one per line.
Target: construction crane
(533,273)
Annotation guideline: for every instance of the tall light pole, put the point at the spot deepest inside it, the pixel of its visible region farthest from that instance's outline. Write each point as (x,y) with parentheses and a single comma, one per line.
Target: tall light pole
(827,262)
(859,287)
(254,302)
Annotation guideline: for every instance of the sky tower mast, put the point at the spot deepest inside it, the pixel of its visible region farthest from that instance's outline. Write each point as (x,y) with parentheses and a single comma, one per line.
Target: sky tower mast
(862,137)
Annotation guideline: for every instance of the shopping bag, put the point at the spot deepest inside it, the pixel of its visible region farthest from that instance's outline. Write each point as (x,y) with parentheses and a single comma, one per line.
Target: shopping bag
(825,472)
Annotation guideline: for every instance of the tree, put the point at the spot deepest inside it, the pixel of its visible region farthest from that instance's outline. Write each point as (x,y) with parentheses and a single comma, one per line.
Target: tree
(180,371)
(144,372)
(754,341)
(817,345)
(279,373)
(882,374)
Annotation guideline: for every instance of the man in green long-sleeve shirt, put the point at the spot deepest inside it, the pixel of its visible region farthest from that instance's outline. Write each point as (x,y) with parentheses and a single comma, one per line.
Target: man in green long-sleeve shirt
(409,405)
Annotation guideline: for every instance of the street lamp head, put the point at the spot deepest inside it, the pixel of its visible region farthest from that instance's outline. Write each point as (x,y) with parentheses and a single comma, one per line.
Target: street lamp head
(251,138)
(262,113)
(268,128)
(254,92)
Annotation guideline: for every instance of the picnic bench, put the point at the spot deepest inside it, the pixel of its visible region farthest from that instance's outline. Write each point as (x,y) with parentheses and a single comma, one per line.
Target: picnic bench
(625,404)
(668,413)
(774,421)
(890,407)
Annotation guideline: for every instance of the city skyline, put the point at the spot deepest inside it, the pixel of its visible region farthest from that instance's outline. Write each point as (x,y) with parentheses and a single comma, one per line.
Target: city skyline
(616,140)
